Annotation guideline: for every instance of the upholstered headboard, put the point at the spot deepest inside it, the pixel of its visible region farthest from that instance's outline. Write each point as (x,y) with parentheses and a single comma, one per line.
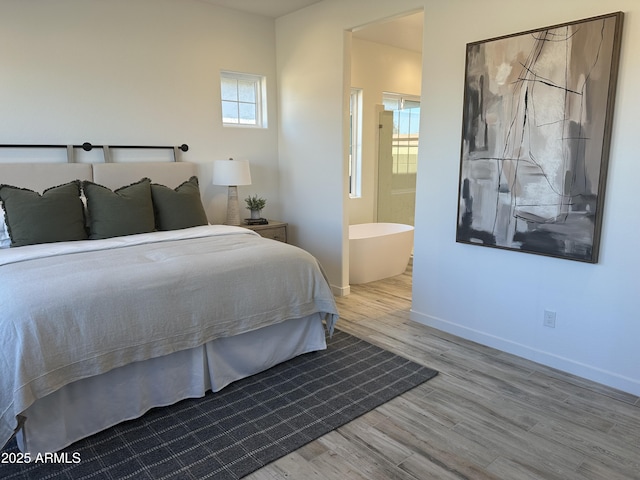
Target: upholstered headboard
(39,176)
(170,174)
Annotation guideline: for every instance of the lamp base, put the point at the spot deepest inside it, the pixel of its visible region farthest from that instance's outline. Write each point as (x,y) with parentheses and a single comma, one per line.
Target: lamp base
(233,213)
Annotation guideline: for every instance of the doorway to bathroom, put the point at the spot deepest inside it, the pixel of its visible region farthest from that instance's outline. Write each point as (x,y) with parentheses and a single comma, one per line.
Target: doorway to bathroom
(385,90)
(398,139)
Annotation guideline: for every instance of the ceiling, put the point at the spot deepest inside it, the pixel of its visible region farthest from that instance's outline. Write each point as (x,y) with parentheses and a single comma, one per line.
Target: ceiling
(402,32)
(267,8)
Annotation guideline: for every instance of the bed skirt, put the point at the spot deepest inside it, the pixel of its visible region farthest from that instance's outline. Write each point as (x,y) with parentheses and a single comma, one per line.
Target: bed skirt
(91,405)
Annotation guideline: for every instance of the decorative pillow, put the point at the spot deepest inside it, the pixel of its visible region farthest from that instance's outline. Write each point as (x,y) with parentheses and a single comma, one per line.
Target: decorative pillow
(179,208)
(55,216)
(125,211)
(5,239)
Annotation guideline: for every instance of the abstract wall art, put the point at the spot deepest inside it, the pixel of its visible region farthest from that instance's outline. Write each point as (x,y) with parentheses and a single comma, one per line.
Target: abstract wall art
(538,110)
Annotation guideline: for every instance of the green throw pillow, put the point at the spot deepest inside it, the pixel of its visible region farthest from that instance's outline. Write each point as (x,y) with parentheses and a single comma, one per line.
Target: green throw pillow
(179,208)
(125,211)
(55,216)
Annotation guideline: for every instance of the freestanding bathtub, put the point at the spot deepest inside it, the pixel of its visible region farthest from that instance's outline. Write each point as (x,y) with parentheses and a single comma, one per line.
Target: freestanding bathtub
(378,250)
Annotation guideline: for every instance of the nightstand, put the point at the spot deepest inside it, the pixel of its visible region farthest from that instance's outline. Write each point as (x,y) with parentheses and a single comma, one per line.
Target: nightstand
(273,230)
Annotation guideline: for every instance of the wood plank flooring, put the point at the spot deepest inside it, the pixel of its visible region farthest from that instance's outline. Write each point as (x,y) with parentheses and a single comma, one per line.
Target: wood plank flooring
(487,415)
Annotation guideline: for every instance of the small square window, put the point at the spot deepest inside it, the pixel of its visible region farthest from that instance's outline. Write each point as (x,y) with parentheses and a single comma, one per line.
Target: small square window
(243,99)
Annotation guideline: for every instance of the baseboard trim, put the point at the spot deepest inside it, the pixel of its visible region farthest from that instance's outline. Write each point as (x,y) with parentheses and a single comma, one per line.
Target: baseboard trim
(341,291)
(548,359)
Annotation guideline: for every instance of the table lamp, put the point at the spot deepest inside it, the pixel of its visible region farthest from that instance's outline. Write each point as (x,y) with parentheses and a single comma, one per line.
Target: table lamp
(232,173)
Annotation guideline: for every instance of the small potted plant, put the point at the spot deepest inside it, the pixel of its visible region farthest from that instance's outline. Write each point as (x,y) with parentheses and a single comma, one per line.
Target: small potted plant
(255,204)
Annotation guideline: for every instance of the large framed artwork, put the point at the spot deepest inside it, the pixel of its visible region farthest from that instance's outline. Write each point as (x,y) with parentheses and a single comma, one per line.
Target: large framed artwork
(538,109)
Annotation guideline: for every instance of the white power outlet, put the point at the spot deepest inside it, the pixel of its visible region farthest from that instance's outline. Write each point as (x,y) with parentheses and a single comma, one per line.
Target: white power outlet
(549,319)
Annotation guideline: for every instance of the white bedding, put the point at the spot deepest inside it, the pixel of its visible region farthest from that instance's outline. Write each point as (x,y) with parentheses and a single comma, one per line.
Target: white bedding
(66,309)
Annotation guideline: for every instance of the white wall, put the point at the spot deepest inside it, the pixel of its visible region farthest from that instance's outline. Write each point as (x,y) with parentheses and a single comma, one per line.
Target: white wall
(313,106)
(495,297)
(498,297)
(142,72)
(377,68)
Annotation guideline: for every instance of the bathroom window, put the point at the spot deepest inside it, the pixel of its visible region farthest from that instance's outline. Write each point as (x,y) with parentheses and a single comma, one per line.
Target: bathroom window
(406,134)
(243,99)
(355,144)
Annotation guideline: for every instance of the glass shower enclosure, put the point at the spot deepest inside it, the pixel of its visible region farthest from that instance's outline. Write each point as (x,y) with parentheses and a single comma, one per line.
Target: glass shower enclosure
(398,158)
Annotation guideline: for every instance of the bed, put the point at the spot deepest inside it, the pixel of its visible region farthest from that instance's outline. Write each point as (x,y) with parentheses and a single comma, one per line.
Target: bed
(98,330)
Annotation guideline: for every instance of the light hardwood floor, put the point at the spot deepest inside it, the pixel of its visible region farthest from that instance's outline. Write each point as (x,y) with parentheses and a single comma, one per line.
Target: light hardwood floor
(487,415)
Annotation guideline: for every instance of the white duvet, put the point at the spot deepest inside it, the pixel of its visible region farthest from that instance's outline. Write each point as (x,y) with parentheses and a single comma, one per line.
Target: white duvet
(77,309)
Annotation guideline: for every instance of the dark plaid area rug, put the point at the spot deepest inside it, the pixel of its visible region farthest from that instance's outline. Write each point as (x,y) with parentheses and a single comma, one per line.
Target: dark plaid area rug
(250,423)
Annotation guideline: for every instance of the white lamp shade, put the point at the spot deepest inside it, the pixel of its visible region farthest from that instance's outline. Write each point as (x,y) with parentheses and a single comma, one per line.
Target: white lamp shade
(231,172)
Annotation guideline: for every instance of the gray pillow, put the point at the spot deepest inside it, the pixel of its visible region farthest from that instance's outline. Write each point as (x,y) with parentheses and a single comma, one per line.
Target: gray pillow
(55,216)
(125,211)
(178,208)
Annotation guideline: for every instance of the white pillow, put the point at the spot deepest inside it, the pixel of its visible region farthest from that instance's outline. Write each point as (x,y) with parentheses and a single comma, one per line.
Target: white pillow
(5,241)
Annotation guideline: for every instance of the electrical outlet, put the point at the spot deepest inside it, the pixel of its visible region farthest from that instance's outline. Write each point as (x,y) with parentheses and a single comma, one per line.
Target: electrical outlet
(549,319)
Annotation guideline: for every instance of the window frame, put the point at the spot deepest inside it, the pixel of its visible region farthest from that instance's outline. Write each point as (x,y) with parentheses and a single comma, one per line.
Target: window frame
(355,143)
(260,105)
